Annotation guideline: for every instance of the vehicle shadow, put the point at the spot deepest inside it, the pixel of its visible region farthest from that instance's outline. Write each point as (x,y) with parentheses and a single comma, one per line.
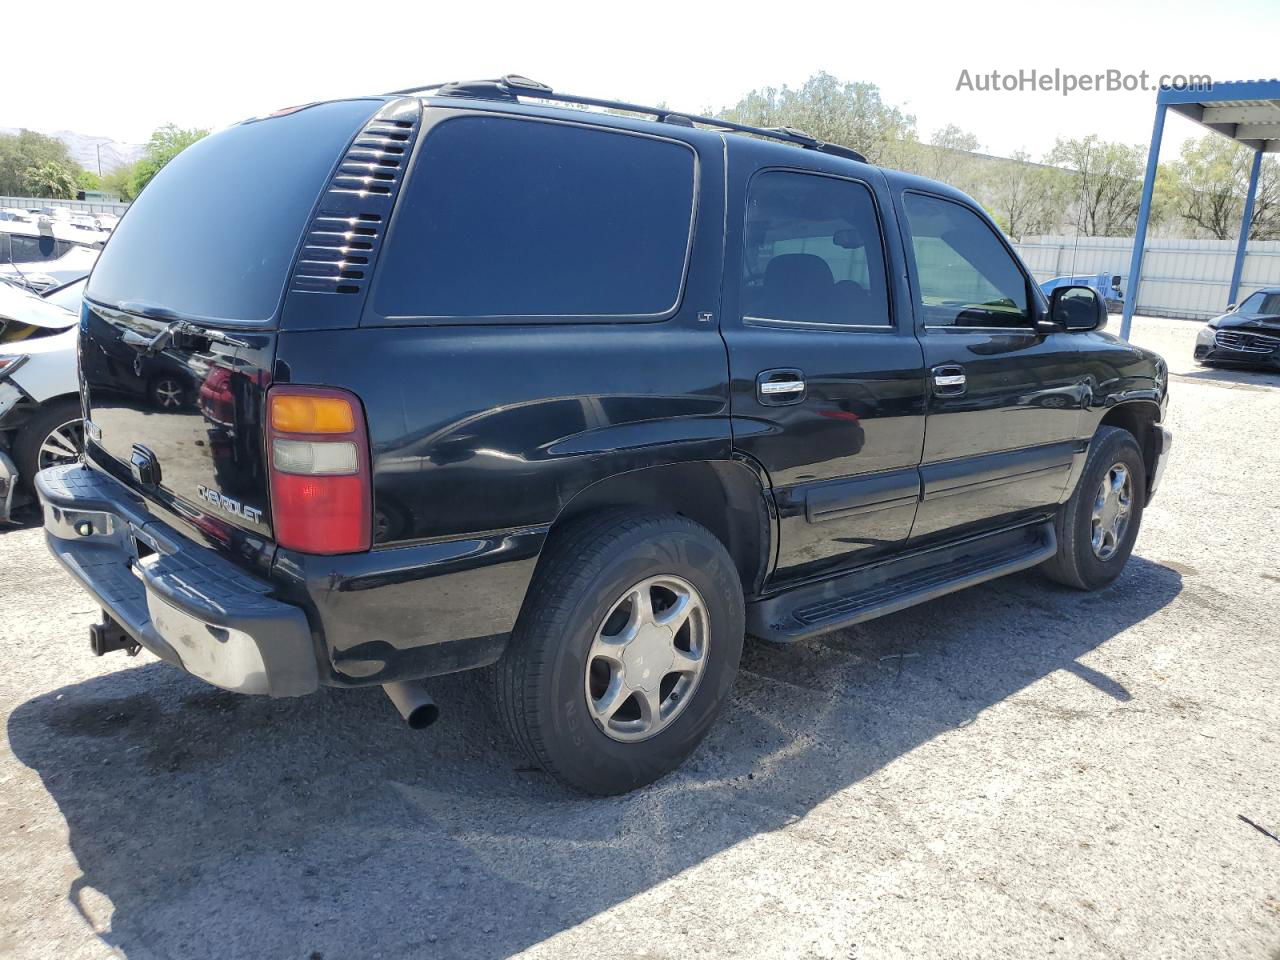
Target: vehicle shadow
(1254,376)
(224,826)
(23,518)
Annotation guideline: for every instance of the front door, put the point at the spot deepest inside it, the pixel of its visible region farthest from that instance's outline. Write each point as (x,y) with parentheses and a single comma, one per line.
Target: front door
(827,384)
(1004,398)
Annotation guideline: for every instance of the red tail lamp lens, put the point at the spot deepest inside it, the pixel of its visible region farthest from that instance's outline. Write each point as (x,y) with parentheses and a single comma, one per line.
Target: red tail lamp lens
(321,495)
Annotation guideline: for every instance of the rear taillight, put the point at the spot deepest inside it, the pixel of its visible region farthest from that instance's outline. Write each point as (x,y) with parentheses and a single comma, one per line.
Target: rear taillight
(321,492)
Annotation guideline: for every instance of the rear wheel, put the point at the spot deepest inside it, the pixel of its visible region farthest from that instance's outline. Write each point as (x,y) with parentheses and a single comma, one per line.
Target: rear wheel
(53,435)
(168,393)
(1097,527)
(625,650)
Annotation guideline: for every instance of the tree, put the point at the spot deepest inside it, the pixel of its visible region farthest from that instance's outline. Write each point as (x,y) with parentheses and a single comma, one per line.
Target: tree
(949,155)
(88,180)
(120,181)
(50,179)
(851,114)
(1210,181)
(1026,198)
(1266,205)
(1106,183)
(1209,184)
(166,143)
(25,150)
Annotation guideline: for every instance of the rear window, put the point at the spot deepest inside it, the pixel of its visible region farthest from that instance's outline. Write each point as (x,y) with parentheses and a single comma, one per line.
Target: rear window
(213,236)
(34,249)
(517,218)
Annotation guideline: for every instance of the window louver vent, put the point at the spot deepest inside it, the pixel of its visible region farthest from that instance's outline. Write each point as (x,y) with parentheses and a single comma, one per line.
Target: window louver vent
(346,232)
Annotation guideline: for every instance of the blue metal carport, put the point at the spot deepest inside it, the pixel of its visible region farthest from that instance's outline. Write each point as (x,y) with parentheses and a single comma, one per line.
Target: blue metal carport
(1247,112)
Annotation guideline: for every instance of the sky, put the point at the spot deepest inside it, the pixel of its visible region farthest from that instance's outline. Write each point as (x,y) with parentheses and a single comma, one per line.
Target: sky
(214,64)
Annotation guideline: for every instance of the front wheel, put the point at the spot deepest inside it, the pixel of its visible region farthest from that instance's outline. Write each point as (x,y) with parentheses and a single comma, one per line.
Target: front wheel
(1098,525)
(625,651)
(53,435)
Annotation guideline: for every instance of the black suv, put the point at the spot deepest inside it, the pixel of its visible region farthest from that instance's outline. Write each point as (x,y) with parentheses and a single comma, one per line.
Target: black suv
(580,396)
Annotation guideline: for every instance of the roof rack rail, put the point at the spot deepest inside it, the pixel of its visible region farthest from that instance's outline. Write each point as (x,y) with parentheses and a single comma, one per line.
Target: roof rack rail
(513,86)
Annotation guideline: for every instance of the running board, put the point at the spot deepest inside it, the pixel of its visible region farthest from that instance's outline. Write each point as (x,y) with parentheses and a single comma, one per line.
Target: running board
(896,584)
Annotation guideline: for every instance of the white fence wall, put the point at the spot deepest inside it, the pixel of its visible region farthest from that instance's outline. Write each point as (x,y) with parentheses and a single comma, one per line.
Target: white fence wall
(79,206)
(1180,278)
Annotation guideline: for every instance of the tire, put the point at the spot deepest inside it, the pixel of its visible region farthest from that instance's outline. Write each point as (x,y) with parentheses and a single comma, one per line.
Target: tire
(546,683)
(34,433)
(1078,562)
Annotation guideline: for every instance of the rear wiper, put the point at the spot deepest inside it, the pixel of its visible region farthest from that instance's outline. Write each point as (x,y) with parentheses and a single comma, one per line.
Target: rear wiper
(175,332)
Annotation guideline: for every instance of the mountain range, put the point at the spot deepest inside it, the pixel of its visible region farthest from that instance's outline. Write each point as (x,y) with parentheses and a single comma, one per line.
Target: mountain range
(86,150)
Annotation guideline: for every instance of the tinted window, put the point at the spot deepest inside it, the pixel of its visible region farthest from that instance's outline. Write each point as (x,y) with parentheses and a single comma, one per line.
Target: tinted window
(510,218)
(812,251)
(965,276)
(33,249)
(214,234)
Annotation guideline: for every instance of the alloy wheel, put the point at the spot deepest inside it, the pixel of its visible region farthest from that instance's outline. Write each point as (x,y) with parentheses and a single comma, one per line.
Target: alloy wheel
(62,444)
(1112,506)
(168,394)
(648,658)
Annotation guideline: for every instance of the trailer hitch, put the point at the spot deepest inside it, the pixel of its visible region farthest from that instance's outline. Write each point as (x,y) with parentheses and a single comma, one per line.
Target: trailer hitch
(109,635)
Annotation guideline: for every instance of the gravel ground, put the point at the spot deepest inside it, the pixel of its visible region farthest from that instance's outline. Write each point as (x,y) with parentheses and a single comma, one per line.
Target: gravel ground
(1017,770)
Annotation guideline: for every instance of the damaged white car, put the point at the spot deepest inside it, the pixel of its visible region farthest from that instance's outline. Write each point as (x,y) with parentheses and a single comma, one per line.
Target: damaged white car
(40,422)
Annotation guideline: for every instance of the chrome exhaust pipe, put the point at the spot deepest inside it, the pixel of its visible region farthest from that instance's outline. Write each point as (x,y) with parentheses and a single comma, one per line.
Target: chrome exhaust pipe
(413,702)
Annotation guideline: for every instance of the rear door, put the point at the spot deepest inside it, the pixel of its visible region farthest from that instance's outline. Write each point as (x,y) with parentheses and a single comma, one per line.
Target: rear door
(179,329)
(827,384)
(1004,398)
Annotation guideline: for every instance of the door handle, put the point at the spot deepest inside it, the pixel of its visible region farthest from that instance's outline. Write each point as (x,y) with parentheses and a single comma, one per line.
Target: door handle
(948,380)
(774,388)
(777,387)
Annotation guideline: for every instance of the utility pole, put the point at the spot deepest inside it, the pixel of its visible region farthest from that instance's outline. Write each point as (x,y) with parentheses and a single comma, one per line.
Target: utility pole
(98,147)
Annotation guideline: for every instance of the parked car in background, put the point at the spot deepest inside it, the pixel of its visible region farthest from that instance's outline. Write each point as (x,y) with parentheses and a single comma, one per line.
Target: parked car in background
(1105,285)
(38,276)
(581,397)
(1248,334)
(25,247)
(40,422)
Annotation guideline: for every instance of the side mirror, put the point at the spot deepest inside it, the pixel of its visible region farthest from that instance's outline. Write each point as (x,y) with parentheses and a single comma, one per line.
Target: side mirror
(1230,307)
(1077,309)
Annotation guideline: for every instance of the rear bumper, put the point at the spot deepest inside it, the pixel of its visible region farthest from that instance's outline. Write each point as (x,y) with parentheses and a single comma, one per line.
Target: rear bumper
(183,602)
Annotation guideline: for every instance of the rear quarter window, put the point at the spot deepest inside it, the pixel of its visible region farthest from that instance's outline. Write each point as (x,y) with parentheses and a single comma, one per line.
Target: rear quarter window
(510,218)
(214,235)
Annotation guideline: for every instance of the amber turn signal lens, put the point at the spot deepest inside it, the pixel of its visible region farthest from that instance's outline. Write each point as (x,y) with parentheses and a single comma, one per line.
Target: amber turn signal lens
(304,414)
